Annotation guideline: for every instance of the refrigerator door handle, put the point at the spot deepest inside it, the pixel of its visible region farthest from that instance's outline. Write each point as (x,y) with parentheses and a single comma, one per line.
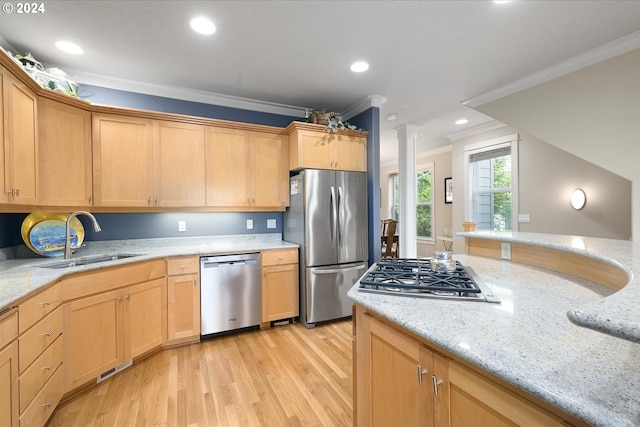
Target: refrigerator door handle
(334,219)
(338,270)
(340,214)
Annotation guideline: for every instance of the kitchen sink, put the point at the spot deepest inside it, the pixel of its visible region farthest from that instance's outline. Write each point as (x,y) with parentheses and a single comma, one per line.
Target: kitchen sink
(78,262)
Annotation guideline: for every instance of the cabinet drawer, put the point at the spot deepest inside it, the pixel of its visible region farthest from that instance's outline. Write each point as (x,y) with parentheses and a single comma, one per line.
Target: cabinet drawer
(45,402)
(280,256)
(35,308)
(183,265)
(37,375)
(8,327)
(38,338)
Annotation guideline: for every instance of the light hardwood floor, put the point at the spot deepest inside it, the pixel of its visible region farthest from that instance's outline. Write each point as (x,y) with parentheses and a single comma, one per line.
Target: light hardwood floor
(284,376)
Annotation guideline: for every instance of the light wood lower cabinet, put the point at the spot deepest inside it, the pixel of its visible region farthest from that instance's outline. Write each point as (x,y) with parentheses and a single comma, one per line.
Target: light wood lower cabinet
(109,328)
(279,284)
(402,381)
(183,299)
(9,408)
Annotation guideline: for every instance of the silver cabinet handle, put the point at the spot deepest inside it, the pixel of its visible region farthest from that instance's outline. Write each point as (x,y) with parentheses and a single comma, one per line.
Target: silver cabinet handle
(46,334)
(47,368)
(48,404)
(46,303)
(436,383)
(421,372)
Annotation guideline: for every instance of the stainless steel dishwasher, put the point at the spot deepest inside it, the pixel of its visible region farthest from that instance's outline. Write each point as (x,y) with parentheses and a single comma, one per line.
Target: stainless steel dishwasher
(230,295)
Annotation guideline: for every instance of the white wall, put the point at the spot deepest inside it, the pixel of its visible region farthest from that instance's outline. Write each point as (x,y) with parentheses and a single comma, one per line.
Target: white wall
(547,175)
(592,113)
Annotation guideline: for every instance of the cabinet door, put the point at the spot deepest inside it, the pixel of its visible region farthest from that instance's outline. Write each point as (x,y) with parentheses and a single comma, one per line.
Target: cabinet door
(122,161)
(178,151)
(393,373)
(279,292)
(21,142)
(270,170)
(92,337)
(349,153)
(9,385)
(312,149)
(64,143)
(228,167)
(183,306)
(145,319)
(469,399)
(4,197)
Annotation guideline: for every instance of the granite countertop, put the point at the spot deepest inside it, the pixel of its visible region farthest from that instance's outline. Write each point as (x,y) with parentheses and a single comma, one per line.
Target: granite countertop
(23,275)
(531,339)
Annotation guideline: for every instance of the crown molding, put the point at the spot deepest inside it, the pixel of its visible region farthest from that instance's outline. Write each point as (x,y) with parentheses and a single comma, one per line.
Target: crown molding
(609,50)
(486,127)
(363,105)
(185,94)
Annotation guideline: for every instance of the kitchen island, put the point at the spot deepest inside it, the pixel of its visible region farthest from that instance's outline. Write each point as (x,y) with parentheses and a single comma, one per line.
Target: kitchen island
(544,343)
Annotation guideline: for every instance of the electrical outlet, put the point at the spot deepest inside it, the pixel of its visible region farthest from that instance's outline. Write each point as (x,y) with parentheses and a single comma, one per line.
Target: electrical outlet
(524,218)
(249,224)
(505,250)
(182,226)
(271,223)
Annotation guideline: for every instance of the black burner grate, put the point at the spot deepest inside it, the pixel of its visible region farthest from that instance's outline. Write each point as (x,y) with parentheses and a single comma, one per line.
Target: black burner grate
(411,275)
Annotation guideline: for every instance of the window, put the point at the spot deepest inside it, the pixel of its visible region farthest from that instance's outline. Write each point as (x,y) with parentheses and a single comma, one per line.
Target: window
(491,185)
(424,200)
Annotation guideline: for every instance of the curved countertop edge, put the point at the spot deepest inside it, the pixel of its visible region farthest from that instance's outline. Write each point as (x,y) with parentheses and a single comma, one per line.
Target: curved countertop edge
(616,315)
(23,276)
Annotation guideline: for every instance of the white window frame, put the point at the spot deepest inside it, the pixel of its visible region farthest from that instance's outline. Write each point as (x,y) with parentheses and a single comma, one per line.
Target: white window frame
(492,144)
(419,168)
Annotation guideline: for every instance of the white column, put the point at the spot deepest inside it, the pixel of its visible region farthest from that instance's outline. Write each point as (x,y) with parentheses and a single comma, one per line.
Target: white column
(407,136)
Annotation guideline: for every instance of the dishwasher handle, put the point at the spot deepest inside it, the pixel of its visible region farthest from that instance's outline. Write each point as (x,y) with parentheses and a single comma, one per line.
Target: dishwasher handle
(215,264)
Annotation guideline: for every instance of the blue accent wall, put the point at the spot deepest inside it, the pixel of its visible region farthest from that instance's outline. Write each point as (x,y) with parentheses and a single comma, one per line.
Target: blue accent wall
(106,96)
(370,120)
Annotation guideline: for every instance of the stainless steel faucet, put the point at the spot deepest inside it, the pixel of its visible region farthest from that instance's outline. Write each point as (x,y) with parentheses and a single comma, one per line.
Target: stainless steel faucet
(67,243)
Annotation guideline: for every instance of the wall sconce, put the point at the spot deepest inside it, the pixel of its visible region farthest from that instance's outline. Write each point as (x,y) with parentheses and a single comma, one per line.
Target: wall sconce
(578,199)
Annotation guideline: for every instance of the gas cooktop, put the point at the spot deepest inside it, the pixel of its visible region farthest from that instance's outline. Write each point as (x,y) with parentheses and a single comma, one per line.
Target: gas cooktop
(416,277)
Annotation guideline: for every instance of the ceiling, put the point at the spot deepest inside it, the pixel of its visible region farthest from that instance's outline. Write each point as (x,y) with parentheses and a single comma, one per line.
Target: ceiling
(425,57)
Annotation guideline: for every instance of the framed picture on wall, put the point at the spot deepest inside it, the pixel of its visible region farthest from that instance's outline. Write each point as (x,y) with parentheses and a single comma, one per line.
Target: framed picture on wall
(448,190)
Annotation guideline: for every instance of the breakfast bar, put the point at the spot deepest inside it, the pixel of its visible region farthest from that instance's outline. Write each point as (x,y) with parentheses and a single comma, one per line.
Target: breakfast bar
(564,343)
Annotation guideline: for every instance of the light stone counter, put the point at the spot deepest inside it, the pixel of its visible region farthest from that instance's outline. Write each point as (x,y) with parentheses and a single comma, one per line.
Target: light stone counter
(24,274)
(529,340)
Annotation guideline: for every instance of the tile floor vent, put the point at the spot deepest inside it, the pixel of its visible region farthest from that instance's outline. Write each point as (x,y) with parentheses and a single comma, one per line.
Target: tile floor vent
(103,376)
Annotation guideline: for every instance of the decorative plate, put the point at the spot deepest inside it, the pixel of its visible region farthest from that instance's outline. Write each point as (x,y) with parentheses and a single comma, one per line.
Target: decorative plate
(44,233)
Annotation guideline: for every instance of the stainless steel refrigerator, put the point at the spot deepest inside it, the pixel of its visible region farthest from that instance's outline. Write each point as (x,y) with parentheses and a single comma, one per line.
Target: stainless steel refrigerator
(328,219)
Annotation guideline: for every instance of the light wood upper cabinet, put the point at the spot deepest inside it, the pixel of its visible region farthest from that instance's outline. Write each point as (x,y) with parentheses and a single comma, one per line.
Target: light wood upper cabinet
(178,150)
(228,153)
(20,126)
(270,167)
(246,169)
(64,144)
(312,147)
(122,161)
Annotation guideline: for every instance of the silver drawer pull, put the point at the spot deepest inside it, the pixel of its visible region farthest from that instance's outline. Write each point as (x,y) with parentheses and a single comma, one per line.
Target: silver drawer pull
(48,404)
(47,334)
(47,368)
(46,303)
(183,267)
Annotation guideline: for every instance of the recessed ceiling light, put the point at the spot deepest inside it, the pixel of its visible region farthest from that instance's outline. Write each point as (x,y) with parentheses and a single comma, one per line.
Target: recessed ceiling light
(392,116)
(202,25)
(462,122)
(359,67)
(69,47)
